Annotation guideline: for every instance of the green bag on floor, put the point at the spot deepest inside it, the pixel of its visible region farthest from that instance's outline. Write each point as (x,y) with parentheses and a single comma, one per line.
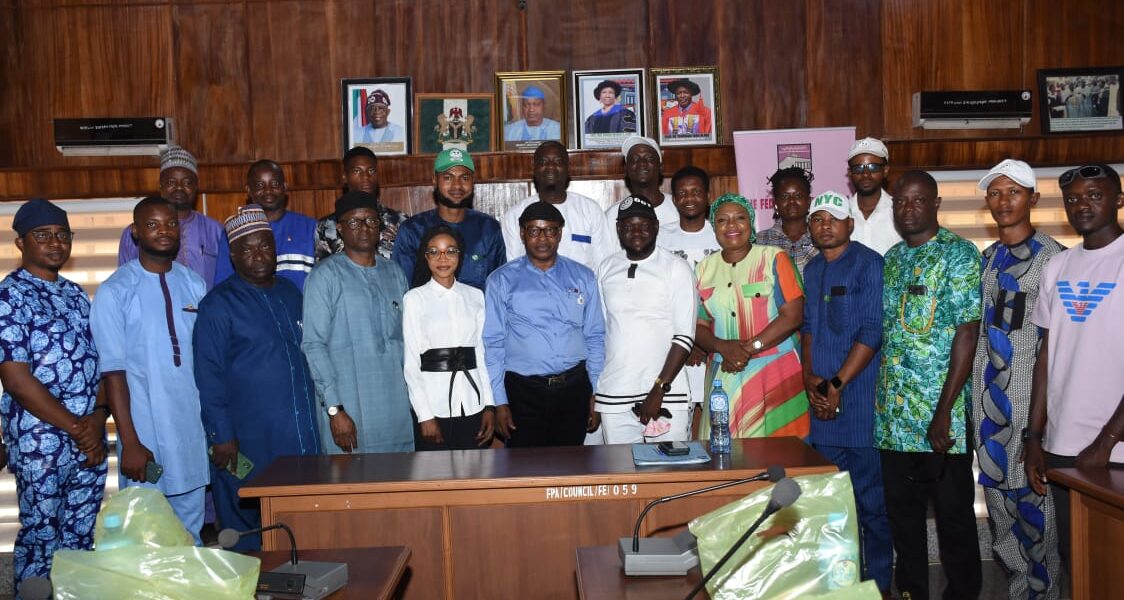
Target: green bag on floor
(152,558)
(808,548)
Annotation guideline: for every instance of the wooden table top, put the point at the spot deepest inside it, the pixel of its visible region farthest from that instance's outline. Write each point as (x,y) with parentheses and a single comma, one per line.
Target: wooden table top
(600,576)
(516,467)
(1106,485)
(372,573)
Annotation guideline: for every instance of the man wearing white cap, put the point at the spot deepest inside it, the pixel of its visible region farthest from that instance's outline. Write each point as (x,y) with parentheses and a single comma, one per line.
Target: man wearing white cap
(1025,538)
(840,340)
(643,174)
(868,164)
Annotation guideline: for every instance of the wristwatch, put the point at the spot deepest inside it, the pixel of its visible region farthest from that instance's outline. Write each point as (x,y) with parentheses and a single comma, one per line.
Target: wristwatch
(335,410)
(664,385)
(837,383)
(1031,435)
(756,345)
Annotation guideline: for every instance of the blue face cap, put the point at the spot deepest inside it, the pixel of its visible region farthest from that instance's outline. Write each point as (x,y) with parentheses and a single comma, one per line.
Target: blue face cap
(533,92)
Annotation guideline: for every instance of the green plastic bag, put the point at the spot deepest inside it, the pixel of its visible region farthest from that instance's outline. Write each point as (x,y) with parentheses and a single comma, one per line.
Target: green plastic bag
(157,562)
(809,548)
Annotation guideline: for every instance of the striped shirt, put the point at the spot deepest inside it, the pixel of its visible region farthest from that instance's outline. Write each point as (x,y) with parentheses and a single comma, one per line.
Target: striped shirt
(295,237)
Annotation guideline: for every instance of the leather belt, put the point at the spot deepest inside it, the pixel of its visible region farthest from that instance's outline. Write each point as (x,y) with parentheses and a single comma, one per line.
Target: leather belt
(461,359)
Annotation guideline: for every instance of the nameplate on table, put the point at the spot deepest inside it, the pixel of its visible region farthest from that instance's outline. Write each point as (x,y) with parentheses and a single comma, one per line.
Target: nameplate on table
(577,492)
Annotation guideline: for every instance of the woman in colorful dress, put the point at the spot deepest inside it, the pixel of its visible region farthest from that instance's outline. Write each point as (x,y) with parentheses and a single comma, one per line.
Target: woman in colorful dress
(750,312)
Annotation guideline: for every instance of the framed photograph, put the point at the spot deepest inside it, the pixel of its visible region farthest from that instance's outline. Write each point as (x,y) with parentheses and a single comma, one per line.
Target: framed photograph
(609,106)
(443,121)
(1080,100)
(687,111)
(532,108)
(377,113)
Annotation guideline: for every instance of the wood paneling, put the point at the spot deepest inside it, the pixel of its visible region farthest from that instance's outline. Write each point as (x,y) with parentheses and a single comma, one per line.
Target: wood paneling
(587,35)
(844,62)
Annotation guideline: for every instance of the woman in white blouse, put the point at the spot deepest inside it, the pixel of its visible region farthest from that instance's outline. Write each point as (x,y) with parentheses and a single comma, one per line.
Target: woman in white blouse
(442,321)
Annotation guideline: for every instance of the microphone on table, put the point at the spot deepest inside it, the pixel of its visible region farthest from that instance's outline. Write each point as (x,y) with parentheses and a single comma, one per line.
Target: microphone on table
(785,492)
(674,555)
(310,580)
(36,588)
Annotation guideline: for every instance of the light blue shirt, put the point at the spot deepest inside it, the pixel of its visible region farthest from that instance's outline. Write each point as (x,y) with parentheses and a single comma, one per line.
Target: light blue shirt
(520,131)
(130,321)
(390,133)
(542,322)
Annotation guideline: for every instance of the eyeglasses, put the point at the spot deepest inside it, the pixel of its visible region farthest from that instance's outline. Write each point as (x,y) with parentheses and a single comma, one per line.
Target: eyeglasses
(537,232)
(1089,172)
(353,224)
(451,252)
(866,168)
(43,237)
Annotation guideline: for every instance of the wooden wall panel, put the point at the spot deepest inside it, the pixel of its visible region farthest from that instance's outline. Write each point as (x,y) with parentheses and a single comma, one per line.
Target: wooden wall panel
(587,34)
(844,64)
(212,90)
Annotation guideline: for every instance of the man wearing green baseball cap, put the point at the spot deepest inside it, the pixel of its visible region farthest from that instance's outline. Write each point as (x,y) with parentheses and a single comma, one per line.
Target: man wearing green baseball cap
(454,175)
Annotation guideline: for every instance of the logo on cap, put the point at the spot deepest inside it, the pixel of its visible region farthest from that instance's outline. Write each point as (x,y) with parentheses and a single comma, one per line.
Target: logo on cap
(456,154)
(627,202)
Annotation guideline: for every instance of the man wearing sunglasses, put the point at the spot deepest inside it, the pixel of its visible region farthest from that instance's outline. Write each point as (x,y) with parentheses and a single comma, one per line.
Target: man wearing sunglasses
(1022,520)
(868,166)
(931,313)
(1077,411)
(454,177)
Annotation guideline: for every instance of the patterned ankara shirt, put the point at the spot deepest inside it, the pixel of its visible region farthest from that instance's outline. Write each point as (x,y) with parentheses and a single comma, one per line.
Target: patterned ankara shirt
(801,251)
(329,242)
(1005,356)
(929,291)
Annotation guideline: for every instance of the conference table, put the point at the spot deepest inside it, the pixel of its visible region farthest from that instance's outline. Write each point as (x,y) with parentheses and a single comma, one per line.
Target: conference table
(1096,528)
(499,523)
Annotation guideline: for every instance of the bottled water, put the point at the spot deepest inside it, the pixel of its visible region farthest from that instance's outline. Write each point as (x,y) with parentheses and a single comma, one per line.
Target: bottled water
(719,420)
(114,535)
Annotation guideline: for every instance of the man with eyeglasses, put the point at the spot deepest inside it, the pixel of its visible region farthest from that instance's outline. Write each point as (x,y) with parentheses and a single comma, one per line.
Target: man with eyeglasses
(931,313)
(143,318)
(544,338)
(52,423)
(294,234)
(1022,520)
(587,238)
(454,176)
(643,175)
(200,235)
(1077,410)
(868,166)
(353,339)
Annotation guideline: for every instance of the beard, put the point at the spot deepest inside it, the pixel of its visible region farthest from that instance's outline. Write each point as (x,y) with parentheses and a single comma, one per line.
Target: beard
(559,186)
(445,201)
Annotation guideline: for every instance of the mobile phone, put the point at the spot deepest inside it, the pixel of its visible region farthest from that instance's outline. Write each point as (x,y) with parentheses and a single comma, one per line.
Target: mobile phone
(241,466)
(153,471)
(663,411)
(674,448)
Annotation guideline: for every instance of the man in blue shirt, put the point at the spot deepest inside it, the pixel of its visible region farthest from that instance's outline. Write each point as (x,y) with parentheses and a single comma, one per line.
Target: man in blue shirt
(534,125)
(294,234)
(255,389)
(840,338)
(544,338)
(454,175)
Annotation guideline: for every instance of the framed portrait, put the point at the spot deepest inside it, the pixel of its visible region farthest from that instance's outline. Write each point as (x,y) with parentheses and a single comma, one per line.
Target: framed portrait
(609,106)
(532,109)
(443,121)
(687,111)
(1080,100)
(377,113)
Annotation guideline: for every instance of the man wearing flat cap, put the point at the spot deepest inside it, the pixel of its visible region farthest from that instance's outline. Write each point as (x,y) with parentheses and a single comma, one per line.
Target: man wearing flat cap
(53,427)
(840,339)
(378,128)
(256,392)
(534,125)
(200,235)
(544,338)
(353,338)
(650,307)
(688,117)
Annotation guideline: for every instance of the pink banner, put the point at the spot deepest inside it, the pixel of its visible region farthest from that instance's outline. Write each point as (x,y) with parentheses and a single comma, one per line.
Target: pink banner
(758,154)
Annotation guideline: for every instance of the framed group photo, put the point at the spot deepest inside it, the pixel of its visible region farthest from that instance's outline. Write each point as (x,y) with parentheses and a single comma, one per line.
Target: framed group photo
(687,111)
(609,106)
(531,107)
(444,121)
(1081,100)
(377,114)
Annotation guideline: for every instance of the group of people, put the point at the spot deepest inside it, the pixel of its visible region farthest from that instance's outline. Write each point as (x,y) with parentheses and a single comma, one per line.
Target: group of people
(857,323)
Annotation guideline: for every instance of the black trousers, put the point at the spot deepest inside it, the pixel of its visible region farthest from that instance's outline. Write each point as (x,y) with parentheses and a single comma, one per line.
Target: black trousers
(459,433)
(549,410)
(911,480)
(1061,505)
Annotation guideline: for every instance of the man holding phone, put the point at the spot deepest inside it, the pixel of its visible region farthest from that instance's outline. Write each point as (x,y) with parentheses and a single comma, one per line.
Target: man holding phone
(255,388)
(142,319)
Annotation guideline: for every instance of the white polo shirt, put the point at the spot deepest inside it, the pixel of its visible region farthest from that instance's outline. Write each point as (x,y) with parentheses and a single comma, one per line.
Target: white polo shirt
(649,305)
(586,237)
(878,232)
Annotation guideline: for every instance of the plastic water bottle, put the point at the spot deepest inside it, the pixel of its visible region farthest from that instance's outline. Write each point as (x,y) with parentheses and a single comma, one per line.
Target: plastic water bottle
(113,536)
(719,419)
